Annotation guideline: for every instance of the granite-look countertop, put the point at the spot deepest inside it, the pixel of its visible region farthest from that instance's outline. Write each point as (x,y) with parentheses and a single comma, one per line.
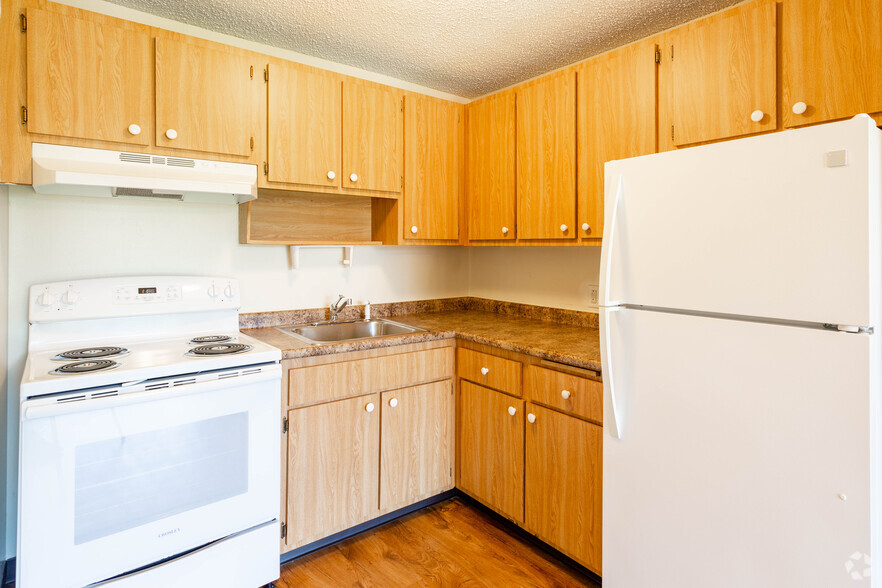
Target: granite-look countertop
(565,343)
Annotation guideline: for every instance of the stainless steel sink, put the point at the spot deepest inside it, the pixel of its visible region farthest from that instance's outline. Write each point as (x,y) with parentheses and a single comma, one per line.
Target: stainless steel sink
(327,332)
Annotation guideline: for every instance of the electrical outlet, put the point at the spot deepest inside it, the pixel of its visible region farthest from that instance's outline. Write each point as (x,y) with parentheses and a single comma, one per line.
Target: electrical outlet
(592,294)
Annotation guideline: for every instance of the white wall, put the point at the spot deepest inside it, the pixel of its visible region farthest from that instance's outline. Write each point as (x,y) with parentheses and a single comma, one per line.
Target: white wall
(63,237)
(546,276)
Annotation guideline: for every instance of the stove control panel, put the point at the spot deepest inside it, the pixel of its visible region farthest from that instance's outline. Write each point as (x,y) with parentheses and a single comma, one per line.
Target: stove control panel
(130,296)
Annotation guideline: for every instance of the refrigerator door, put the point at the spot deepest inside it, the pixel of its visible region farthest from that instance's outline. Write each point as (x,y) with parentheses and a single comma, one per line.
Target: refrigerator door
(781,226)
(745,454)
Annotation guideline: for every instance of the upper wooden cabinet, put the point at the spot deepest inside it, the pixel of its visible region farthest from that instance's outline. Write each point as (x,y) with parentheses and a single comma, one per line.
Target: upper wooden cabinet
(617,119)
(372,136)
(492,182)
(205,97)
(88,79)
(546,157)
(304,121)
(433,161)
(832,60)
(723,72)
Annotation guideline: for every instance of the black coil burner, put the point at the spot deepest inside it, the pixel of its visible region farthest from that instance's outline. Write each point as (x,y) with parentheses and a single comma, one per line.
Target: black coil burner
(84,367)
(219,349)
(91,353)
(210,339)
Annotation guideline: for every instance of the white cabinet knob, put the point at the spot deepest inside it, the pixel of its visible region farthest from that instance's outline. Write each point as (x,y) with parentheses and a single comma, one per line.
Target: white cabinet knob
(413,229)
(565,394)
(45,299)
(563,228)
(393,402)
(353,177)
(70,296)
(585,226)
(134,129)
(531,418)
(512,410)
(799,108)
(757,115)
(171,134)
(369,407)
(505,230)
(485,371)
(331,175)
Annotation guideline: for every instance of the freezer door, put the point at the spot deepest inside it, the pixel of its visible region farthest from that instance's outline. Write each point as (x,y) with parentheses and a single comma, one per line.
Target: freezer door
(745,455)
(772,226)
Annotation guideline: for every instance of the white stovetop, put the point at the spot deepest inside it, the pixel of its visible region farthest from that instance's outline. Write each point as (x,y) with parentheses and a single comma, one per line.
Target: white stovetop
(147,359)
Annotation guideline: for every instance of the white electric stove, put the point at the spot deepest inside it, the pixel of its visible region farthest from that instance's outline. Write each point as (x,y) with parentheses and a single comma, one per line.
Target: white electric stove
(149,437)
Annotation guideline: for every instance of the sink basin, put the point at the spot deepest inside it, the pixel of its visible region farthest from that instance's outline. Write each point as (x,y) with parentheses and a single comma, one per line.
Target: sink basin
(326,332)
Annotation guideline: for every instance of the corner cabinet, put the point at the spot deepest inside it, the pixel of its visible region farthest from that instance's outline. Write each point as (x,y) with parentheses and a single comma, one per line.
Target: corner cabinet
(546,158)
(433,163)
(832,60)
(492,180)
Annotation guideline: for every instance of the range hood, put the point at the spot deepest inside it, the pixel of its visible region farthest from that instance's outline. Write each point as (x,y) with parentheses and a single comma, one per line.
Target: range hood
(78,171)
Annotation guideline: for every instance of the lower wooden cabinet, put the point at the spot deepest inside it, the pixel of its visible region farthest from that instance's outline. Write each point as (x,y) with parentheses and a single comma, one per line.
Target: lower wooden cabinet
(564,483)
(333,463)
(416,448)
(491,449)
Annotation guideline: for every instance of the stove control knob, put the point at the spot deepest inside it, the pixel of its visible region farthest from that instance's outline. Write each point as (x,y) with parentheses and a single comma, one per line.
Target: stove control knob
(212,291)
(228,291)
(70,297)
(45,299)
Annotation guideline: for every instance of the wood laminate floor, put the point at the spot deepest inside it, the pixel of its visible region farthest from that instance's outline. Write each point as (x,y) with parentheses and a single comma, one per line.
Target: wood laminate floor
(448,544)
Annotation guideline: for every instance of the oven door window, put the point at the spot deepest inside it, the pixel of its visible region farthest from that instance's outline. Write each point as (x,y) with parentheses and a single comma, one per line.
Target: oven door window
(136,479)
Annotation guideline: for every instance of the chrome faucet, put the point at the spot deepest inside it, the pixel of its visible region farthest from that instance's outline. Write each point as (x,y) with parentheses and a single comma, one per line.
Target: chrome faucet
(337,307)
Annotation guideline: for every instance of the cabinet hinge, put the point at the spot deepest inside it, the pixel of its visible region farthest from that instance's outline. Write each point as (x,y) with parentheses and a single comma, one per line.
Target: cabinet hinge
(24,22)
(252,143)
(266,75)
(251,72)
(284,530)
(672,132)
(24,115)
(265,168)
(672,53)
(658,55)
(402,105)
(402,182)
(284,424)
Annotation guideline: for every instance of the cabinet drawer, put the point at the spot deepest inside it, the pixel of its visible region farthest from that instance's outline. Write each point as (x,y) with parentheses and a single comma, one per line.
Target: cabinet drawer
(579,396)
(331,381)
(489,370)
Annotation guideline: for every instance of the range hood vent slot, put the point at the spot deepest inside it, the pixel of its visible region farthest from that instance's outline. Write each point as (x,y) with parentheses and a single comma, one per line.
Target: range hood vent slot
(143,193)
(134,158)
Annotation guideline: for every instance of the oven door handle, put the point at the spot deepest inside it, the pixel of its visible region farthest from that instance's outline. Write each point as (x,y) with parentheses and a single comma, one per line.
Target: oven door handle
(40,408)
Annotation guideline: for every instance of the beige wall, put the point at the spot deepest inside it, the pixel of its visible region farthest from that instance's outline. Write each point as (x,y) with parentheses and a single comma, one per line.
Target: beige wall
(4,282)
(547,276)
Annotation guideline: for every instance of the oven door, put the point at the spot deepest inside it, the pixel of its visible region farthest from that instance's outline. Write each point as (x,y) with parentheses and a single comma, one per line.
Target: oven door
(115,483)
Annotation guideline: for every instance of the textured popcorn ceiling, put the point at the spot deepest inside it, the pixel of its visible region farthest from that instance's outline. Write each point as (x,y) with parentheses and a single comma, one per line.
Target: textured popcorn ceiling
(464,47)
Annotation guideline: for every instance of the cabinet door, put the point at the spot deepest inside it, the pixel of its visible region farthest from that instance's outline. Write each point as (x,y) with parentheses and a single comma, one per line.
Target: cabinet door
(564,484)
(372,137)
(416,450)
(433,136)
(333,450)
(724,74)
(88,79)
(617,120)
(832,59)
(491,449)
(546,156)
(491,167)
(205,98)
(303,126)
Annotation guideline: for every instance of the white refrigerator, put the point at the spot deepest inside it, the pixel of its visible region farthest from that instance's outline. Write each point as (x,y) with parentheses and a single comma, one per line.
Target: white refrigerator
(740,336)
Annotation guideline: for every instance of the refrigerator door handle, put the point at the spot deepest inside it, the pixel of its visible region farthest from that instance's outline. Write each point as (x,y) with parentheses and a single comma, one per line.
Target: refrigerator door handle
(609,233)
(615,403)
